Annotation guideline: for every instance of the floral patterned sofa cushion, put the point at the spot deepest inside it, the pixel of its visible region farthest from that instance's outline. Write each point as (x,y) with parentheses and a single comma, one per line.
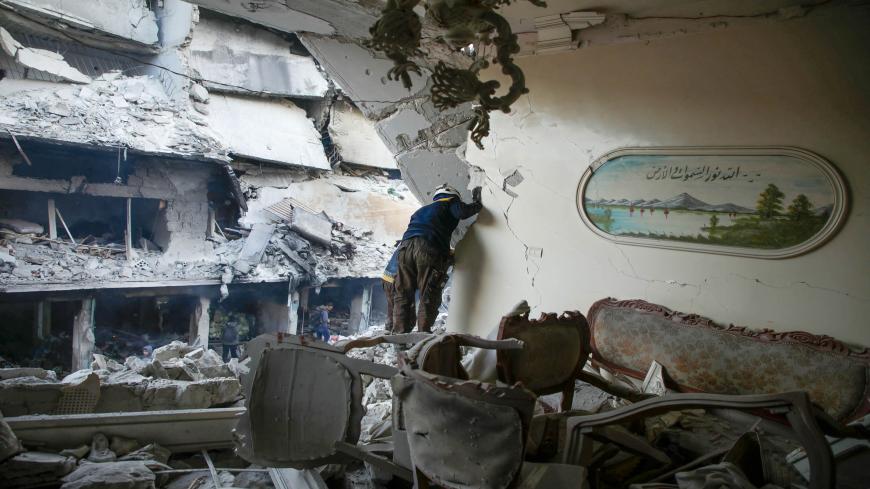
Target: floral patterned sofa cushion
(700,355)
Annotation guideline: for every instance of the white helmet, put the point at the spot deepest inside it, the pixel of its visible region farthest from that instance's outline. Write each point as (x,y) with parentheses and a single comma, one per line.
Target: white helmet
(444,190)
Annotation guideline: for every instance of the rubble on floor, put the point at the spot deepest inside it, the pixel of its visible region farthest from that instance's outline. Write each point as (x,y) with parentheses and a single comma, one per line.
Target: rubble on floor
(178,376)
(27,259)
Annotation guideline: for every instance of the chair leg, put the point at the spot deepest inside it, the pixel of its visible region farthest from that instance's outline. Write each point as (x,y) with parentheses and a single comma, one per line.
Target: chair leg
(420,480)
(568,396)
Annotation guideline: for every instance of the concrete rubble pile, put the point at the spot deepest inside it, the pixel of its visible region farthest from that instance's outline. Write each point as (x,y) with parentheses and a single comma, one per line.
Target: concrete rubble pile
(179,376)
(27,258)
(113,111)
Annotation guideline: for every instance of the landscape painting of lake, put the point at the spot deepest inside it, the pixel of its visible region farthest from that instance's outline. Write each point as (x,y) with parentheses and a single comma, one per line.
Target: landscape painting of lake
(761,202)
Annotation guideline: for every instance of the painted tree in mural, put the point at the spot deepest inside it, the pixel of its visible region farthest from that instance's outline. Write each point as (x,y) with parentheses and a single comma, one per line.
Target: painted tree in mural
(800,208)
(714,221)
(770,202)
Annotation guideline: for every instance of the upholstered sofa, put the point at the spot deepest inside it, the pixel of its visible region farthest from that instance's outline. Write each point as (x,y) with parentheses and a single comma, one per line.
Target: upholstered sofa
(699,355)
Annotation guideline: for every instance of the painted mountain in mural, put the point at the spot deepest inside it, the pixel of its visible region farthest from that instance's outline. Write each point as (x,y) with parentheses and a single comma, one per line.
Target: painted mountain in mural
(683,201)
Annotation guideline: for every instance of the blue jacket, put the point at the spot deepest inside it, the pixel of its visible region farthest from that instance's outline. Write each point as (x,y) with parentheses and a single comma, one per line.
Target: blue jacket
(436,222)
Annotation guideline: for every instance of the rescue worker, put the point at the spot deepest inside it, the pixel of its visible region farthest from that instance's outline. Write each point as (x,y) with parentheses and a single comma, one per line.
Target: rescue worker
(421,260)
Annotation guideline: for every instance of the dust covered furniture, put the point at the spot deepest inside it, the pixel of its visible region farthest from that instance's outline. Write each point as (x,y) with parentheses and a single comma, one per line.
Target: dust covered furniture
(465,433)
(807,422)
(555,350)
(699,355)
(304,399)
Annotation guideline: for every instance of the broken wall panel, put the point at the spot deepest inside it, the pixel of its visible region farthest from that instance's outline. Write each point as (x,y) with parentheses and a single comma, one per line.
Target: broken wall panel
(276,131)
(357,140)
(243,57)
(360,74)
(382,209)
(130,20)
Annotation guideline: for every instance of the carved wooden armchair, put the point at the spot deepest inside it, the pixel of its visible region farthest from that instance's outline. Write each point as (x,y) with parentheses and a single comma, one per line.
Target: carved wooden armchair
(555,350)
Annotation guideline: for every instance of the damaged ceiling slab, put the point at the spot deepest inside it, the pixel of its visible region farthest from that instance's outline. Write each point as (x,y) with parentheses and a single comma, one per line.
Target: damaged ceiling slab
(357,139)
(235,56)
(128,23)
(274,131)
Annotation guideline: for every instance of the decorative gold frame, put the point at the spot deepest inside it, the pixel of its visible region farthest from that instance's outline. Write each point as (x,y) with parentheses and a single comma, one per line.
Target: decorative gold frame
(838,212)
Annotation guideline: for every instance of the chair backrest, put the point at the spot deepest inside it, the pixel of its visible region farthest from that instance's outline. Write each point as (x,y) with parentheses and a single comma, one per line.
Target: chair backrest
(699,355)
(555,349)
(302,398)
(463,433)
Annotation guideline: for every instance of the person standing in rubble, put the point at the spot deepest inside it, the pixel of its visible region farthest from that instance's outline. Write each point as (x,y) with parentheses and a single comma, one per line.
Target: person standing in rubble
(421,260)
(321,332)
(230,340)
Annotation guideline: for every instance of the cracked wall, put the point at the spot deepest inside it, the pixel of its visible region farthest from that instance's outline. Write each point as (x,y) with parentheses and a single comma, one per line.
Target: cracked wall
(802,82)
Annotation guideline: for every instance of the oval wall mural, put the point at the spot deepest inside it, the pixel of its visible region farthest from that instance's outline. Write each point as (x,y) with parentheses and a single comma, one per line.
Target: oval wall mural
(753,202)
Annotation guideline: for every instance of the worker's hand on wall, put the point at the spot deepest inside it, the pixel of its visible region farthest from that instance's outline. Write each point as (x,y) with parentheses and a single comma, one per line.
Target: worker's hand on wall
(475,194)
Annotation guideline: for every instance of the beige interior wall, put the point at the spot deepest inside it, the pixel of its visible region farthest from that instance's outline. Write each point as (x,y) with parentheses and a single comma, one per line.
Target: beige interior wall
(802,82)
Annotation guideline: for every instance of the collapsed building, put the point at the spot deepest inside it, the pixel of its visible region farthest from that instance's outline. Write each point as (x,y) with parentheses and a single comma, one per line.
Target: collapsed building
(168,167)
(139,206)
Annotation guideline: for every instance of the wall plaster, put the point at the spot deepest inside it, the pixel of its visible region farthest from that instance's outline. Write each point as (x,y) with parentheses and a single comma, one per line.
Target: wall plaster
(802,82)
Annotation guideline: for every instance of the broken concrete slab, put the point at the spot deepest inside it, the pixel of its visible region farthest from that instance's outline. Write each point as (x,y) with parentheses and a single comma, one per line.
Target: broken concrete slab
(12,373)
(40,59)
(255,246)
(180,430)
(19,399)
(360,74)
(21,226)
(357,140)
(114,475)
(246,57)
(9,444)
(132,20)
(35,469)
(315,227)
(276,131)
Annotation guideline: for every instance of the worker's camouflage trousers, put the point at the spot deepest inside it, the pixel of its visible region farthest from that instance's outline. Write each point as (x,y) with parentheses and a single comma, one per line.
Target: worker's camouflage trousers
(423,269)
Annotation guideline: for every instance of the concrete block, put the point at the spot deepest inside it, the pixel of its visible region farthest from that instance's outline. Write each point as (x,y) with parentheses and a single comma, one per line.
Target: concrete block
(315,227)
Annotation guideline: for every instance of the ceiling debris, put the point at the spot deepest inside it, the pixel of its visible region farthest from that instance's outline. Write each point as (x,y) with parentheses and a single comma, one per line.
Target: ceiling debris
(275,131)
(357,140)
(238,57)
(40,59)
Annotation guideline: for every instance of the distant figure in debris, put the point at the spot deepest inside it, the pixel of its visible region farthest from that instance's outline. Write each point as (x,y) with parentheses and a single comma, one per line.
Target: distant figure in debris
(321,331)
(421,260)
(230,340)
(147,350)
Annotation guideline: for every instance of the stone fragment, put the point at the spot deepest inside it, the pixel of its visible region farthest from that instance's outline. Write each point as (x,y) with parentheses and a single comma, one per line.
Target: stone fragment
(11,373)
(152,451)
(122,446)
(114,475)
(9,444)
(35,469)
(79,453)
(199,93)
